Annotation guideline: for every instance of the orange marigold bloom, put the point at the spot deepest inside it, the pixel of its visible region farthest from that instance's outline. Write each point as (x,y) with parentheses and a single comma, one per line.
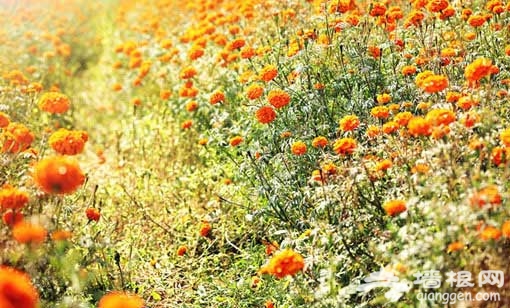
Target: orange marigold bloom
(408,70)
(60,235)
(205,229)
(92,214)
(12,198)
(16,289)
(165,94)
(265,114)
(191,106)
(380,112)
(54,102)
(470,119)
(320,142)
(455,246)
(390,127)
(235,141)
(188,72)
(418,126)
(476,20)
(488,195)
(345,146)
(182,250)
(466,102)
(478,69)
(490,233)
(383,98)
(68,142)
(254,91)
(58,175)
(394,207)
(268,73)
(120,300)
(436,6)
(383,165)
(349,123)
(505,229)
(402,118)
(298,148)
(420,168)
(11,218)
(187,124)
(196,52)
(4,120)
(217,97)
(373,131)
(434,83)
(378,9)
(17,138)
(278,98)
(452,96)
(505,137)
(284,263)
(437,117)
(25,232)
(500,155)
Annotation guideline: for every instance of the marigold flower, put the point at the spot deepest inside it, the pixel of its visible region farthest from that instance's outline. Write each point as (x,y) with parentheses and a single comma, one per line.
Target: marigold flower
(16,289)
(188,72)
(191,106)
(380,112)
(254,91)
(60,235)
(476,20)
(418,126)
(320,142)
(235,141)
(181,250)
(344,146)
(466,102)
(488,195)
(217,97)
(500,155)
(430,82)
(12,198)
(383,165)
(402,118)
(54,102)
(17,138)
(408,70)
(436,6)
(58,175)
(394,207)
(378,9)
(205,229)
(349,123)
(383,98)
(373,131)
(4,120)
(490,233)
(278,98)
(187,124)
(390,127)
(68,142)
(455,246)
(11,218)
(298,148)
(268,73)
(505,229)
(265,114)
(120,300)
(165,94)
(284,263)
(437,117)
(478,69)
(25,232)
(92,214)
(420,168)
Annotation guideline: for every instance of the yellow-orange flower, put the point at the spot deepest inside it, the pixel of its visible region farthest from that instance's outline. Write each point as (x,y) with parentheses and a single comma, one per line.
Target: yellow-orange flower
(278,98)
(490,233)
(418,126)
(4,120)
(181,250)
(254,91)
(298,148)
(455,246)
(478,69)
(24,232)
(394,207)
(16,289)
(320,142)
(205,229)
(380,112)
(383,98)
(284,263)
(217,97)
(505,229)
(12,198)
(437,117)
(268,73)
(265,114)
(58,175)
(349,123)
(120,300)
(17,138)
(68,142)
(236,140)
(344,146)
(54,102)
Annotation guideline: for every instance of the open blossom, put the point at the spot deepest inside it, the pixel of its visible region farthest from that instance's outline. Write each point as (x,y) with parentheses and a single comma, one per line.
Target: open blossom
(265,114)
(278,98)
(478,69)
(16,289)
(12,198)
(118,299)
(68,142)
(284,263)
(394,207)
(344,146)
(349,123)
(54,102)
(58,175)
(17,137)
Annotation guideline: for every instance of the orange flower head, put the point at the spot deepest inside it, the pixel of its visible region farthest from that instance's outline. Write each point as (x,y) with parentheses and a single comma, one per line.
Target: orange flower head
(54,102)
(61,235)
(390,127)
(436,6)
(438,117)
(58,175)
(92,214)
(188,72)
(68,142)
(383,98)
(505,229)
(278,98)
(268,73)
(455,246)
(394,207)
(24,232)
(120,300)
(205,229)
(380,112)
(418,126)
(478,69)
(284,263)
(12,198)
(320,142)
(490,233)
(345,146)
(11,218)
(181,250)
(265,114)
(254,91)
(191,106)
(349,123)
(16,289)
(298,148)
(4,120)
(187,124)
(17,138)
(217,97)
(402,118)
(236,140)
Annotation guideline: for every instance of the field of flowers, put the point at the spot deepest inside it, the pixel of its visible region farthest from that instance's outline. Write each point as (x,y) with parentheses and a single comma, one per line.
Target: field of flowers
(257,153)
